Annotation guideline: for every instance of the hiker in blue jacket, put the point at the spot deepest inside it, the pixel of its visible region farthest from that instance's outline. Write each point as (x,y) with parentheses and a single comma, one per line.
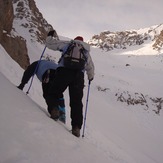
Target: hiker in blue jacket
(45,73)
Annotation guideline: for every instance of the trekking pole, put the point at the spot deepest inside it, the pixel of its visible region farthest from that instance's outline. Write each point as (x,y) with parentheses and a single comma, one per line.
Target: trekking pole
(35,70)
(86,108)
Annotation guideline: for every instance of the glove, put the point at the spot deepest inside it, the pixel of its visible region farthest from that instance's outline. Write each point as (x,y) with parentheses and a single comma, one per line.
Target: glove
(90,80)
(51,33)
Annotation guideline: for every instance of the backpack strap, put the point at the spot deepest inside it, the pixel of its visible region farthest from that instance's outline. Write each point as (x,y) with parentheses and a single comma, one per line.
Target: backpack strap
(63,52)
(65,48)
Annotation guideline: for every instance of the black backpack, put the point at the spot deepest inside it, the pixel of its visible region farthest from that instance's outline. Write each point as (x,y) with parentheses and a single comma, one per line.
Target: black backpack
(74,56)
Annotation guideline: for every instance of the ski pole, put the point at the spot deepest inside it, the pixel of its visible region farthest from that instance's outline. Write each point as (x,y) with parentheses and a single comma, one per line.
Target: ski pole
(86,108)
(35,70)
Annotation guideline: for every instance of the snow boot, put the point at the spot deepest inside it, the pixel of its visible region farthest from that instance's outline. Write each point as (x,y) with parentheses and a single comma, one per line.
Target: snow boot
(21,86)
(76,131)
(55,113)
(62,118)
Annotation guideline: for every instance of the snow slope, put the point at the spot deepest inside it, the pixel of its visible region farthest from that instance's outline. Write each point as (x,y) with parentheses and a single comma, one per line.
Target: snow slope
(115,132)
(29,135)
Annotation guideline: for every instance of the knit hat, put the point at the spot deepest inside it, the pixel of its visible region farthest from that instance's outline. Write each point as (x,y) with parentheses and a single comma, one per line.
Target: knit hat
(79,38)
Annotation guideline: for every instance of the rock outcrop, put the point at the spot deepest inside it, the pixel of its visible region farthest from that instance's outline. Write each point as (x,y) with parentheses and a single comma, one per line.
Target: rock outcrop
(159,42)
(25,14)
(123,39)
(15,47)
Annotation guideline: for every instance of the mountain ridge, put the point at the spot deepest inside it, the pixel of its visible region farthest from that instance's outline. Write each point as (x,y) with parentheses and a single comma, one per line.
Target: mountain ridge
(108,40)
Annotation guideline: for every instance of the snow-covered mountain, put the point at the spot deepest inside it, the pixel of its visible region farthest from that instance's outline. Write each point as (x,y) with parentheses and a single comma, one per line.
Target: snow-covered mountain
(124,120)
(108,40)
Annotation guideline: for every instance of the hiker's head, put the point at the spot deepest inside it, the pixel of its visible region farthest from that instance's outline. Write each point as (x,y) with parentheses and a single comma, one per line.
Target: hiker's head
(79,38)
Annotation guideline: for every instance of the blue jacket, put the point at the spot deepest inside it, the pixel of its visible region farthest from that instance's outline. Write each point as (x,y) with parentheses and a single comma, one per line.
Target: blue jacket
(44,66)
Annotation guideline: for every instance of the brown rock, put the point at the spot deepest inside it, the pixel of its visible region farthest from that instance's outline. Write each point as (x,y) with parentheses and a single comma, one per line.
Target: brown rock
(15,47)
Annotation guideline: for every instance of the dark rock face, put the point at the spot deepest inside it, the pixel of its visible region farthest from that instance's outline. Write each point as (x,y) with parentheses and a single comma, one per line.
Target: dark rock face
(15,47)
(15,44)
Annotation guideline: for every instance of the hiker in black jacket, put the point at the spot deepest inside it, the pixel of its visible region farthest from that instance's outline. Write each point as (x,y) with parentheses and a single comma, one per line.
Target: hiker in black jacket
(71,78)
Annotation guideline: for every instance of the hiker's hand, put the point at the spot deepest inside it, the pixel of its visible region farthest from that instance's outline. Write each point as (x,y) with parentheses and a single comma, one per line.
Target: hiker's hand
(51,33)
(90,80)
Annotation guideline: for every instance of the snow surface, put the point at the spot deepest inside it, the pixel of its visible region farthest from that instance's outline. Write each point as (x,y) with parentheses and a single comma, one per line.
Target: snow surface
(115,132)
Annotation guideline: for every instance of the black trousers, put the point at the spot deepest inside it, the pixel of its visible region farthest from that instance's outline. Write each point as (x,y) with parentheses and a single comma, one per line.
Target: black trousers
(74,80)
(46,87)
(29,72)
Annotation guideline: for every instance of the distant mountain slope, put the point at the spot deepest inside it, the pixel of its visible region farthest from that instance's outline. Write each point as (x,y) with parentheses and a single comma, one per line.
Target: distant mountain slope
(108,40)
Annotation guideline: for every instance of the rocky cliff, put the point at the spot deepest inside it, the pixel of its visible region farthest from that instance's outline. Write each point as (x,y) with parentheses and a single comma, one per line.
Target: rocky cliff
(10,44)
(25,14)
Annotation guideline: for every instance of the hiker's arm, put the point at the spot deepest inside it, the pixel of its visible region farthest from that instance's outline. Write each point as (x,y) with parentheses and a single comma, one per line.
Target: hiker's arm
(89,67)
(54,44)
